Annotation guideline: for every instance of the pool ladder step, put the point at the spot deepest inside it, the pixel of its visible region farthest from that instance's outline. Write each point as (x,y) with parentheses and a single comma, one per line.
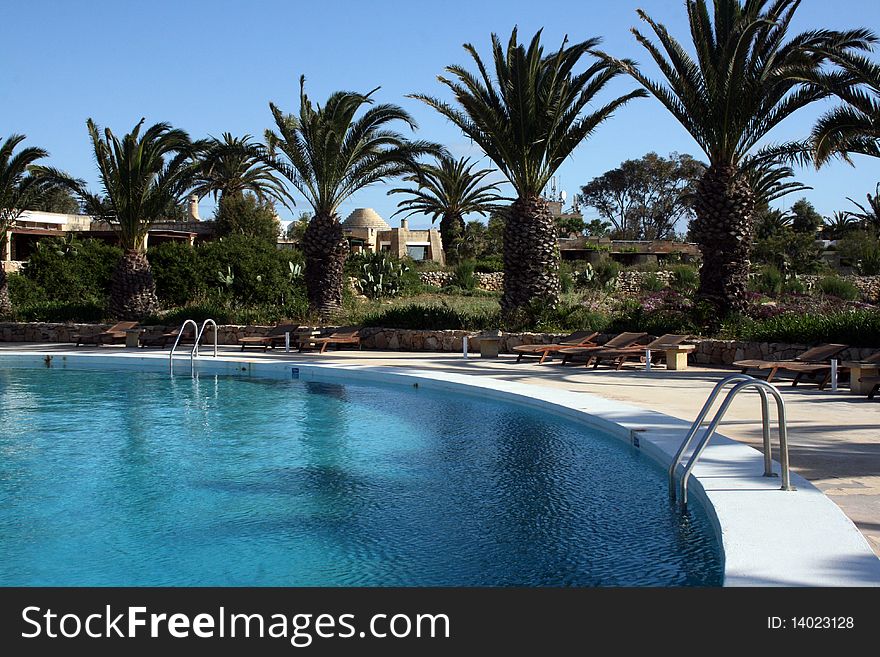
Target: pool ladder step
(198,332)
(739,382)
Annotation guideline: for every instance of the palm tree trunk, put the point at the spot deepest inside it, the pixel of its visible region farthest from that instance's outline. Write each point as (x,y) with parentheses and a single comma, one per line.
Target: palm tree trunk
(451,231)
(5,302)
(325,249)
(132,289)
(531,259)
(723,229)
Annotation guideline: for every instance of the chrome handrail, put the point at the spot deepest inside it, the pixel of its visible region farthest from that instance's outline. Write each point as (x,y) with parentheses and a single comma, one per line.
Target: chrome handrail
(765,416)
(764,387)
(195,349)
(177,341)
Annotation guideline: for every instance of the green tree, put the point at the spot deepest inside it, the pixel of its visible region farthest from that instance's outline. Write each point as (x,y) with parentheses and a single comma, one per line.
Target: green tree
(144,177)
(528,118)
(838,225)
(245,214)
(745,79)
(21,185)
(805,218)
(565,226)
(449,190)
(597,228)
(56,199)
(327,155)
(644,199)
(296,230)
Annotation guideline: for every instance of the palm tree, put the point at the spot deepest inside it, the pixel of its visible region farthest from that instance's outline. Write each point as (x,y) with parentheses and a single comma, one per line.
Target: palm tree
(234,165)
(449,190)
(855,126)
(769,181)
(869,215)
(528,119)
(838,225)
(328,155)
(21,187)
(144,178)
(745,80)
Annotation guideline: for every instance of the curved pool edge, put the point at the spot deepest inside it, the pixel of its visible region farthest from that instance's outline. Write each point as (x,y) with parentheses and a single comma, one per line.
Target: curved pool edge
(768,537)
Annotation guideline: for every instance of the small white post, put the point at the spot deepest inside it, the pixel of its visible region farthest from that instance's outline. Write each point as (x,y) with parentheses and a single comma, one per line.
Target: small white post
(647,360)
(287,342)
(464,346)
(833,375)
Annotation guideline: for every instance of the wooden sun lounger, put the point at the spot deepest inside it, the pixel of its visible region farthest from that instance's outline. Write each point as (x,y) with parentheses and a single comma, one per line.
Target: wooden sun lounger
(617,342)
(659,347)
(274,338)
(814,364)
(348,335)
(115,333)
(545,351)
(163,339)
(872,383)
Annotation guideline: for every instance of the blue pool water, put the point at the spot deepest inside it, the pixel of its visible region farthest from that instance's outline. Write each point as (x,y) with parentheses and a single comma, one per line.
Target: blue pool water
(132,478)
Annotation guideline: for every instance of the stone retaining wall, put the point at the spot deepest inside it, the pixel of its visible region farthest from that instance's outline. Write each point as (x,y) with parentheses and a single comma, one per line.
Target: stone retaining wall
(708,352)
(492,281)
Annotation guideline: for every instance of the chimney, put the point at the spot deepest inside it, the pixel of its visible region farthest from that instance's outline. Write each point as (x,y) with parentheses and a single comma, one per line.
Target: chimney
(194,208)
(404,224)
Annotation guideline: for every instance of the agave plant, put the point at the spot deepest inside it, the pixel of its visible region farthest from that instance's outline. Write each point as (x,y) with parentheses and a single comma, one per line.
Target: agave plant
(744,77)
(327,155)
(449,190)
(528,118)
(855,126)
(21,187)
(234,165)
(144,177)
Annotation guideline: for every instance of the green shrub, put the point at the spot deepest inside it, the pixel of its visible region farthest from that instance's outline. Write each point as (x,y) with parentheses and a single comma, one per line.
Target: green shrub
(60,311)
(652,283)
(861,249)
(794,286)
(605,272)
(464,276)
(432,317)
(837,287)
(379,275)
(70,270)
(23,291)
(684,278)
(489,265)
(859,328)
(768,281)
(177,272)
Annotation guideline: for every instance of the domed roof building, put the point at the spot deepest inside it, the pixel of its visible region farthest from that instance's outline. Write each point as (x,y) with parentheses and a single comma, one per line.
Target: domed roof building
(365,218)
(366,231)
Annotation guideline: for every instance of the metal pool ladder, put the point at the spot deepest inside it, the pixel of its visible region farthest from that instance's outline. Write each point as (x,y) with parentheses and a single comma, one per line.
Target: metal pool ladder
(739,382)
(198,338)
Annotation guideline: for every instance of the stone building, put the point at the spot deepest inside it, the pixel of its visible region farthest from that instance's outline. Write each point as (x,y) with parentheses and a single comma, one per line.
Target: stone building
(365,230)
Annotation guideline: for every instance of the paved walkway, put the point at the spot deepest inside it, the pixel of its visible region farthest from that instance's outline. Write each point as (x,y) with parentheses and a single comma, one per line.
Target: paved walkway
(834,437)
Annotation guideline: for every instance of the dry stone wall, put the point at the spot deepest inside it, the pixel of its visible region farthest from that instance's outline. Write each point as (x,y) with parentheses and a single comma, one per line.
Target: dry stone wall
(708,352)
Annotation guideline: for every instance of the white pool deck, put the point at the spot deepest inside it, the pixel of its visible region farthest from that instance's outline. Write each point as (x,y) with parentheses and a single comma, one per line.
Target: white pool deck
(770,537)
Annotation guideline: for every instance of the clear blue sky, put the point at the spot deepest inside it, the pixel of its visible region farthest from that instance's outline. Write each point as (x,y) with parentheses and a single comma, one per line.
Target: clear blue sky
(213,66)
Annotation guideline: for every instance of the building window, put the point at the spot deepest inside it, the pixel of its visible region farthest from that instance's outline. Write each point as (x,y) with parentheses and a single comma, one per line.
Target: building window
(417,252)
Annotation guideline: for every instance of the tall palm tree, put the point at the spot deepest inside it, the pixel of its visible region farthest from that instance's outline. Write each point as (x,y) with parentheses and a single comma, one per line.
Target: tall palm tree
(144,178)
(747,77)
(837,225)
(855,126)
(20,188)
(868,215)
(234,165)
(449,190)
(327,155)
(528,119)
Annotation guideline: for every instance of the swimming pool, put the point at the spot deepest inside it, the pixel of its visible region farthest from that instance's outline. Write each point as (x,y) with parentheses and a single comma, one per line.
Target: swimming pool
(134,478)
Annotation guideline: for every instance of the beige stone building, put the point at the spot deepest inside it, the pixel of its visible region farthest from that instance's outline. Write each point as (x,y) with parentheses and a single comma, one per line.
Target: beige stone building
(365,230)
